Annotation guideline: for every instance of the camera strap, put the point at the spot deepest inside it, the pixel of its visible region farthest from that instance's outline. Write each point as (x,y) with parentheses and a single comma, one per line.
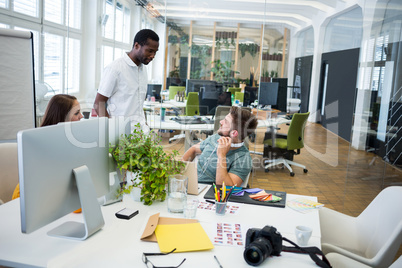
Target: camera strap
(312,251)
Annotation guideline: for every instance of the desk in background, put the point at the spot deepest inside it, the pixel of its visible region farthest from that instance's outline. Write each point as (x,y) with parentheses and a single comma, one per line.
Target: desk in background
(154,122)
(118,243)
(165,104)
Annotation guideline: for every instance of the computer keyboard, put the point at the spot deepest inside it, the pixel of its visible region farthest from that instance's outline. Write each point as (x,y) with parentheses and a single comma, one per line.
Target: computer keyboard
(188,120)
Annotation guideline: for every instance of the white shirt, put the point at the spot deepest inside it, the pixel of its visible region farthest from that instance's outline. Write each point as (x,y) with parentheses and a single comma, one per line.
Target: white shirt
(125,84)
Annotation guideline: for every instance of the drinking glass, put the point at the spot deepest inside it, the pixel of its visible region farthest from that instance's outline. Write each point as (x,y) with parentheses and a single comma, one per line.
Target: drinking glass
(177,193)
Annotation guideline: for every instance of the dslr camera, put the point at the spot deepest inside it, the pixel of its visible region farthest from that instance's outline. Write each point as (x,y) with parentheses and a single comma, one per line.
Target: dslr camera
(262,243)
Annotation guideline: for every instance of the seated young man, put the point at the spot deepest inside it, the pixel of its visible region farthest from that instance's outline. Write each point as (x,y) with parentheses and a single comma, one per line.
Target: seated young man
(224,158)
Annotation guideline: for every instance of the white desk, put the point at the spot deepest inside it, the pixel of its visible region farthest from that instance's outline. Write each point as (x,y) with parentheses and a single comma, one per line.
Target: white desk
(118,244)
(165,104)
(154,122)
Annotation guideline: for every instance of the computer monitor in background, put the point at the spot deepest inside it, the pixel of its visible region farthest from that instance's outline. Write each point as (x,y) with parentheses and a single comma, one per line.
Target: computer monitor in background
(63,168)
(175,81)
(268,94)
(208,93)
(154,90)
(225,98)
(250,95)
(281,103)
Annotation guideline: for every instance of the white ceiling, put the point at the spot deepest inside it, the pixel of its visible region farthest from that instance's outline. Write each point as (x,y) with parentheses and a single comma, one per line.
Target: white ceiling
(275,14)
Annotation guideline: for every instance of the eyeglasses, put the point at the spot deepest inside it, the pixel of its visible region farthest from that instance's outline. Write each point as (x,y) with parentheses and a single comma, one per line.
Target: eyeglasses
(151,265)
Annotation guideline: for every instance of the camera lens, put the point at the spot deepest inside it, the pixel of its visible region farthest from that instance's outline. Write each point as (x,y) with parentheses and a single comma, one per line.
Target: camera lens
(257,251)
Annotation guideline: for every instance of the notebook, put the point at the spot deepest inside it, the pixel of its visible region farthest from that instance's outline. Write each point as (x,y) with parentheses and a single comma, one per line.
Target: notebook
(194,188)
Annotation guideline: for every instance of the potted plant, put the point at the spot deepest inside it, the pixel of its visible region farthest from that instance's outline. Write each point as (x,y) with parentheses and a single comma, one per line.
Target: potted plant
(142,155)
(223,71)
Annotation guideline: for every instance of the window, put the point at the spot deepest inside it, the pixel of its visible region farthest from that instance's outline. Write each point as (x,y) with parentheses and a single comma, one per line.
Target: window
(63,12)
(57,38)
(116,21)
(108,20)
(73,10)
(72,57)
(54,11)
(116,30)
(26,7)
(3,3)
(52,67)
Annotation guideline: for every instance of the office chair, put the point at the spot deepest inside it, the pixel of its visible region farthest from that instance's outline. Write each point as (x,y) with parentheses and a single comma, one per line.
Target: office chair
(340,261)
(287,146)
(233,90)
(239,96)
(9,170)
(372,238)
(192,104)
(192,108)
(173,91)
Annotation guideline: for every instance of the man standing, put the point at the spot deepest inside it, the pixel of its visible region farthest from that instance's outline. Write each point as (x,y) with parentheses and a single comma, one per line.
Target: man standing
(123,85)
(224,158)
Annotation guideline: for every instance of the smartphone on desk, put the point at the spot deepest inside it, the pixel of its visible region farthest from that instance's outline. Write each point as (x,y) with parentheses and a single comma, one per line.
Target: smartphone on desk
(126,213)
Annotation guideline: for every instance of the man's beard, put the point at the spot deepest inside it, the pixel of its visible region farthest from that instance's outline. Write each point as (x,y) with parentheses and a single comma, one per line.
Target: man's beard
(222,134)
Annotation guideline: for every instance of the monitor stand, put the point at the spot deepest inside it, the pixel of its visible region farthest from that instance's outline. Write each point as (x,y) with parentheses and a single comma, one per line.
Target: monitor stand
(93,219)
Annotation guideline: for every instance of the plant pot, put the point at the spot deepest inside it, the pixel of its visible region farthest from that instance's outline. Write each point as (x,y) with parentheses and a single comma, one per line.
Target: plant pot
(132,178)
(135,194)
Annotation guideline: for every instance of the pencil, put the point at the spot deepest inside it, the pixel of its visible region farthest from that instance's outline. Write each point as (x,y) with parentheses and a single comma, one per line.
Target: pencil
(223,191)
(216,194)
(230,192)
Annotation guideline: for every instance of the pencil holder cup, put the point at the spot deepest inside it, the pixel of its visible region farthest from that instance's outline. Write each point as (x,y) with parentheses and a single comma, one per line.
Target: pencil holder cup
(220,208)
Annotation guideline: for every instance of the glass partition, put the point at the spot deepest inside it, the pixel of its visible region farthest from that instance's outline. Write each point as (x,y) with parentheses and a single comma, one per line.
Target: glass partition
(249,55)
(305,43)
(229,52)
(201,52)
(375,155)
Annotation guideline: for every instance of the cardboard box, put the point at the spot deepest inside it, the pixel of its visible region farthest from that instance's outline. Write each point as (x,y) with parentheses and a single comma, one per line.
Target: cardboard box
(265,114)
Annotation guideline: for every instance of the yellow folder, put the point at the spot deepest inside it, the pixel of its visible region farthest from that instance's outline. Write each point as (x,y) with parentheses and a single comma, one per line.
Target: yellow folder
(183,237)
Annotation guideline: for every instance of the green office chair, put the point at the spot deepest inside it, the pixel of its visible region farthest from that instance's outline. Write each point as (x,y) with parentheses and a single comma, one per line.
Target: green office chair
(192,104)
(192,108)
(173,91)
(233,90)
(286,146)
(239,96)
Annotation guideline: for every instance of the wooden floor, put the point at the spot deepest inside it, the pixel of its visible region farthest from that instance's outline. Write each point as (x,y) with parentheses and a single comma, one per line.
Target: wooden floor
(342,178)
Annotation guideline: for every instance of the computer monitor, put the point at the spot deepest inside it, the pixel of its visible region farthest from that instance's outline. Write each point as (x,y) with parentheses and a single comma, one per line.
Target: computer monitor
(154,90)
(250,95)
(281,103)
(63,168)
(268,93)
(225,98)
(208,94)
(175,81)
